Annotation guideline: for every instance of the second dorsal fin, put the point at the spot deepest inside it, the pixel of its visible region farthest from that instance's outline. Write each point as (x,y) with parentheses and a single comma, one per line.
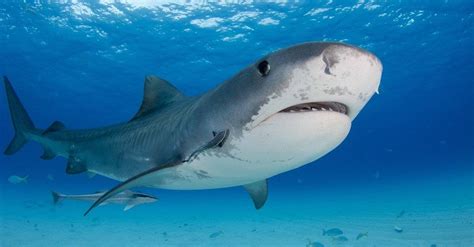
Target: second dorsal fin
(55,126)
(158,94)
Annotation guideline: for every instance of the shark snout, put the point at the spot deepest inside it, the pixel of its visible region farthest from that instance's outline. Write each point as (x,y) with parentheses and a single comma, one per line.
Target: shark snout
(351,76)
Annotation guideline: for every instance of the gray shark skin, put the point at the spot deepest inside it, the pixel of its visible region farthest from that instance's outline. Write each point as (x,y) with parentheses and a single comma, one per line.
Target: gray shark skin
(286,110)
(128,198)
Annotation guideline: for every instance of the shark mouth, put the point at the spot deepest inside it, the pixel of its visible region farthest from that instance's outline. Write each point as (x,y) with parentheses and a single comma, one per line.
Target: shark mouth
(317,106)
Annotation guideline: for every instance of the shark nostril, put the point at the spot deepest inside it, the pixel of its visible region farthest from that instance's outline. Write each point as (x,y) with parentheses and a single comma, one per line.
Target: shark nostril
(328,63)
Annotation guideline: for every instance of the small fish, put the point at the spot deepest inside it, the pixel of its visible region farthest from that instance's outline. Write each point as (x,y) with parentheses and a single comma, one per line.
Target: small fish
(401,214)
(314,244)
(128,197)
(340,239)
(361,235)
(216,234)
(18,180)
(398,229)
(332,232)
(50,177)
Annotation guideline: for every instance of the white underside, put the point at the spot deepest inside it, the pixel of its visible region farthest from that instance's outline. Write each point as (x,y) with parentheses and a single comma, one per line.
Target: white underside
(281,143)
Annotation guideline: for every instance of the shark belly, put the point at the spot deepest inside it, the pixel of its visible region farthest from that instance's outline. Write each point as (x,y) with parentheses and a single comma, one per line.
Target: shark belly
(265,151)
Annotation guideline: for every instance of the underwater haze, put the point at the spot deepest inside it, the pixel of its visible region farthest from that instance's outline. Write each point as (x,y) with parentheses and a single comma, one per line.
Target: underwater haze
(402,177)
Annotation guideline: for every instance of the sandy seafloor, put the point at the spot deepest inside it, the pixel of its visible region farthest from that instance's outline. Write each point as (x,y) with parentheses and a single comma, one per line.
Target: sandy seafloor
(438,212)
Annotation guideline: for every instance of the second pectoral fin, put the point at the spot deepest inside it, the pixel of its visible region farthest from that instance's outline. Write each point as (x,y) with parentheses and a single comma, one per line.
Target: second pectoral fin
(258,191)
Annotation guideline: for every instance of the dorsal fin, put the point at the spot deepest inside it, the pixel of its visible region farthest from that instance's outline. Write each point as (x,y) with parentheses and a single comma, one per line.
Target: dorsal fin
(158,94)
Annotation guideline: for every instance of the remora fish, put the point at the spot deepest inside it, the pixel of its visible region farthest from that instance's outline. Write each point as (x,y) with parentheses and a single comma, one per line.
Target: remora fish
(128,198)
(286,110)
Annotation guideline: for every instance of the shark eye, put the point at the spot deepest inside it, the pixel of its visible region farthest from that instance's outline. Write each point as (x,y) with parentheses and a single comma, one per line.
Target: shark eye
(263,68)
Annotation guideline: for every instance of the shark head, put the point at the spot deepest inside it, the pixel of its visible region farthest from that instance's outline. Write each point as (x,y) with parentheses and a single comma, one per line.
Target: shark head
(292,106)
(321,80)
(315,76)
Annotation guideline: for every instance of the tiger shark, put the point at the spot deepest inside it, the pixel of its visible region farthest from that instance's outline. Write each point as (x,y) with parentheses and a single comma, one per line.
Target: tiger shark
(287,109)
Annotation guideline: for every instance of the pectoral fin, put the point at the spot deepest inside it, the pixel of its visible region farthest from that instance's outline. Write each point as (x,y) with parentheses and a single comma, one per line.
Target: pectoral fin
(146,177)
(217,141)
(258,191)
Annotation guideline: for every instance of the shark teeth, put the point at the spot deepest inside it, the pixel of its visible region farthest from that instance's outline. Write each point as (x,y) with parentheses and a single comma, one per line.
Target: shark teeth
(318,106)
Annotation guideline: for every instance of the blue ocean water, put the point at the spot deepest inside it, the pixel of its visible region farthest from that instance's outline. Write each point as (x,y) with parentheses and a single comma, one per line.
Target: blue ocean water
(411,149)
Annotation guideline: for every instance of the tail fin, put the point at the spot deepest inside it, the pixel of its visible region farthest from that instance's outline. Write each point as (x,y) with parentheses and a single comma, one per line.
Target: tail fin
(56,197)
(21,121)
